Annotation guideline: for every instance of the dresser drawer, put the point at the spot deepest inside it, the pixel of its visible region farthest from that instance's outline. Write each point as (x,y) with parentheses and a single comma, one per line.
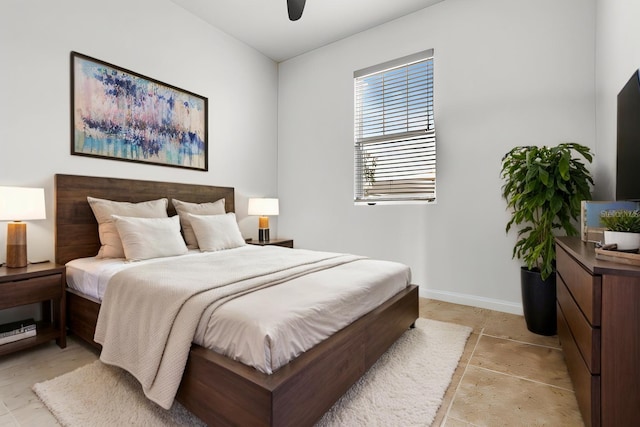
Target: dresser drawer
(35,289)
(587,338)
(585,289)
(585,385)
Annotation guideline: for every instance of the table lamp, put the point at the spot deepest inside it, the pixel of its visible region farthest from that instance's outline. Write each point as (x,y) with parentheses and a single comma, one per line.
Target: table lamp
(19,204)
(263,207)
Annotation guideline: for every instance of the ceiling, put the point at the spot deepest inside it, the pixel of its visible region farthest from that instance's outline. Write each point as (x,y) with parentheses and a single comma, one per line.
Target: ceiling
(265,25)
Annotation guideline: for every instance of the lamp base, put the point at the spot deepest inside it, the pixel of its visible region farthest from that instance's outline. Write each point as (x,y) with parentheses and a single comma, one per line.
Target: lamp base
(16,244)
(263,234)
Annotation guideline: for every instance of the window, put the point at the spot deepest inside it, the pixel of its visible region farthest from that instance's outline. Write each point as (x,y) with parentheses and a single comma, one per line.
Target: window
(395,142)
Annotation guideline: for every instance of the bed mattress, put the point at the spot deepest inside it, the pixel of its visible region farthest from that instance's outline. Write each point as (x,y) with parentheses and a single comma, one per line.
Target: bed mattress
(268,328)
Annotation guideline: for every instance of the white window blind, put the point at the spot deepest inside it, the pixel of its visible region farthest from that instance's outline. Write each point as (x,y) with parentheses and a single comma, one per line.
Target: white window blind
(395,143)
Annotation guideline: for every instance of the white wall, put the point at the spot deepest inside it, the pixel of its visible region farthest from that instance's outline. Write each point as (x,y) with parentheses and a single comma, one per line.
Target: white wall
(618,57)
(507,73)
(157,39)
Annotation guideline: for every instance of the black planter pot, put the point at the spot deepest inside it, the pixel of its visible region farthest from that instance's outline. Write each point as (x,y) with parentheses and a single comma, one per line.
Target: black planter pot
(539,301)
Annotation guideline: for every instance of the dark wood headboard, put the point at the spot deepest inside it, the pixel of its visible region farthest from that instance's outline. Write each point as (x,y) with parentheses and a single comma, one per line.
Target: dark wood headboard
(76,229)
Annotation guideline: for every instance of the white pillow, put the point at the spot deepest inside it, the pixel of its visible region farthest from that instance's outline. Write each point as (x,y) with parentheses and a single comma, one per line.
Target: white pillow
(216,232)
(145,238)
(103,209)
(186,208)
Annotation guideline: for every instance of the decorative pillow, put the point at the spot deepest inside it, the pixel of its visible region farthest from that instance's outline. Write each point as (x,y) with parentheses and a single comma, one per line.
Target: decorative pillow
(103,209)
(186,208)
(216,232)
(145,238)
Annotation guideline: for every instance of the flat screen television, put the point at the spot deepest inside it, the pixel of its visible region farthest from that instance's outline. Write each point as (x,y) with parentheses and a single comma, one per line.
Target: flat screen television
(628,142)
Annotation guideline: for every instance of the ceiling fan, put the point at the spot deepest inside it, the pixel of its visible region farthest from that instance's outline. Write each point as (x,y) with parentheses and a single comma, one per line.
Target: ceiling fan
(295,8)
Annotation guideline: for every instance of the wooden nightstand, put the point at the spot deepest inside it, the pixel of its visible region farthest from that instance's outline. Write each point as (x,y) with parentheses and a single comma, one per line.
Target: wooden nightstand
(287,243)
(34,283)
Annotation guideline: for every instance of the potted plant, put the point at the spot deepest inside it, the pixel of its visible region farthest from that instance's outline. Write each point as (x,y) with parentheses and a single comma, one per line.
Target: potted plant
(543,188)
(623,228)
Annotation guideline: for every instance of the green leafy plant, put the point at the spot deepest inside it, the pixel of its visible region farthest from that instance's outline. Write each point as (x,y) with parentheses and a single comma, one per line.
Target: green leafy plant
(621,220)
(543,189)
(370,164)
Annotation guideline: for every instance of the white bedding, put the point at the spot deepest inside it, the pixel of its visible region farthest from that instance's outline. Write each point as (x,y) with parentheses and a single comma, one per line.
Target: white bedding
(268,328)
(91,275)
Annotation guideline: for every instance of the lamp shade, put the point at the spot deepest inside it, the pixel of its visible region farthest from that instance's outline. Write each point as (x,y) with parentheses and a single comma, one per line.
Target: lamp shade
(263,206)
(21,204)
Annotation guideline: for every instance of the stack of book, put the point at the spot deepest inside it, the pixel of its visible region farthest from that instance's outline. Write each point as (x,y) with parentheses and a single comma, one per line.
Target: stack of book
(16,331)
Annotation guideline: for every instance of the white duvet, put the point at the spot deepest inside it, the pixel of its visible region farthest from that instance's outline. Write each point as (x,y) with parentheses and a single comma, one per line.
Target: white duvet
(268,328)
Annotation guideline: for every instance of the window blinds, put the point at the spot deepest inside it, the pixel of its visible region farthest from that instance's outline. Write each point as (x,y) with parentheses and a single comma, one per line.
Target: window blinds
(395,144)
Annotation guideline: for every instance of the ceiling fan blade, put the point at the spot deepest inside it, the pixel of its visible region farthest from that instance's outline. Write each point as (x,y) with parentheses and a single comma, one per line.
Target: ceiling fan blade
(295,8)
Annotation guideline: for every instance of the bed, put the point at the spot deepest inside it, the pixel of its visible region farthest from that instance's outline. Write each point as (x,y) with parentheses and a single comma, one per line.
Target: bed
(217,389)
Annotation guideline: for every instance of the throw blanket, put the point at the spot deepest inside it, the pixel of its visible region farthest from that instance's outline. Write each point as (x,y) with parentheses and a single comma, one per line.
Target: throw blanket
(149,313)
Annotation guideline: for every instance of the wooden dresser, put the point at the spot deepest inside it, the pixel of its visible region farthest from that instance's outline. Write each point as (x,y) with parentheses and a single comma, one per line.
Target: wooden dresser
(599,329)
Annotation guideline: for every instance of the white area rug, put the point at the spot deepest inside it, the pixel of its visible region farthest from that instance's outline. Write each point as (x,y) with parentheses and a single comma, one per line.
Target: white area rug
(405,387)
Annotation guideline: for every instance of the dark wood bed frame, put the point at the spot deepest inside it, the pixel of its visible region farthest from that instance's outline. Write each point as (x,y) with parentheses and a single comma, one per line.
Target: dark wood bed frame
(215,388)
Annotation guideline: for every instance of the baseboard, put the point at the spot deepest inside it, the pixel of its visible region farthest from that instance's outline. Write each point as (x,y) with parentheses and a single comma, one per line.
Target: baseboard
(472,300)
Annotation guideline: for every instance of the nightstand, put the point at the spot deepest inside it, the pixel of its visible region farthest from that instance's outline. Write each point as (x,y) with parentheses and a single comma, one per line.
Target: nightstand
(44,283)
(287,243)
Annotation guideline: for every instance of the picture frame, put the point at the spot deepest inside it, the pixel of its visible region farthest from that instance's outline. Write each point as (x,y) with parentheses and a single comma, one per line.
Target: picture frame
(119,114)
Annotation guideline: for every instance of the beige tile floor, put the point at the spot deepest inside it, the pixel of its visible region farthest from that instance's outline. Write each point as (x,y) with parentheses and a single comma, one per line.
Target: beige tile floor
(507,376)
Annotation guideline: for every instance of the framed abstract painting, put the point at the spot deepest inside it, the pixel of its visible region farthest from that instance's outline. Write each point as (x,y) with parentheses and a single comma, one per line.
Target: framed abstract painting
(121,115)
